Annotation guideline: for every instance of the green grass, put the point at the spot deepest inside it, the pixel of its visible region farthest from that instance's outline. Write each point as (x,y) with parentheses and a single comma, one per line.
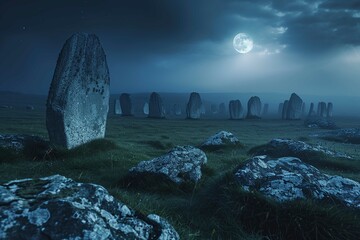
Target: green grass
(214,208)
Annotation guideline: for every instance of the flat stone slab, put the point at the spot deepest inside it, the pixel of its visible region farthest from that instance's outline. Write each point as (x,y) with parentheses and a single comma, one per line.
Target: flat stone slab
(344,135)
(181,164)
(222,138)
(57,207)
(288,178)
(280,147)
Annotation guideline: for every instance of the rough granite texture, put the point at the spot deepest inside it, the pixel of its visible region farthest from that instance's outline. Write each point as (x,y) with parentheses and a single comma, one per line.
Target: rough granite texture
(78,100)
(288,178)
(193,107)
(181,164)
(222,138)
(56,207)
(254,108)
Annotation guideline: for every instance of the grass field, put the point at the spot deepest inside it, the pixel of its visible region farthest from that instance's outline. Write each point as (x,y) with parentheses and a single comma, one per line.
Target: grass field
(215,208)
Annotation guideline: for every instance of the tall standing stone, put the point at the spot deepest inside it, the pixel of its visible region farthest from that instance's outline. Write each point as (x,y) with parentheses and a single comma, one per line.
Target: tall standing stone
(117,107)
(235,109)
(254,108)
(284,110)
(193,107)
(329,112)
(78,100)
(322,109)
(312,112)
(126,106)
(156,107)
(294,109)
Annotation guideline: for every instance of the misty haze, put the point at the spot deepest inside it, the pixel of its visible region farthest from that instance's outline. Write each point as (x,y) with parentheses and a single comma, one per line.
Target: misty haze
(179,119)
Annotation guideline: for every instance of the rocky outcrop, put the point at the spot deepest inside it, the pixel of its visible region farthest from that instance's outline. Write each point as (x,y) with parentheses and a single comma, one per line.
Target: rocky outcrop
(57,207)
(221,139)
(180,165)
(193,107)
(235,109)
(254,108)
(125,103)
(288,178)
(294,108)
(344,135)
(280,147)
(78,100)
(156,107)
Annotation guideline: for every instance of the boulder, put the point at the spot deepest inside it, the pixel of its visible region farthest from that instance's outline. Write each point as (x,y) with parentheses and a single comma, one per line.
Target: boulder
(288,178)
(344,135)
(294,109)
(126,106)
(57,207)
(329,112)
(117,107)
(280,147)
(180,165)
(254,108)
(156,107)
(221,139)
(78,100)
(193,107)
(235,109)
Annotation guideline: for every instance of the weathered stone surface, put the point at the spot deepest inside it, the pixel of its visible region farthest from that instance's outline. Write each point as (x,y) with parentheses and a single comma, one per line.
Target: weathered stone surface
(179,165)
(125,103)
(320,122)
(193,107)
(78,100)
(294,109)
(20,142)
(117,107)
(222,138)
(288,178)
(156,107)
(284,110)
(254,108)
(56,207)
(329,112)
(280,147)
(235,109)
(344,135)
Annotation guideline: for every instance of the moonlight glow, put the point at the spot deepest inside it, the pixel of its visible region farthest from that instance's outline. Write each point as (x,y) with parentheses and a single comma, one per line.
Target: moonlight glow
(243,43)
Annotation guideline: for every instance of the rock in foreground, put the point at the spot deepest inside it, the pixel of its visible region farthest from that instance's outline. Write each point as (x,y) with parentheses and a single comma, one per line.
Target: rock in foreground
(181,164)
(56,207)
(222,138)
(288,178)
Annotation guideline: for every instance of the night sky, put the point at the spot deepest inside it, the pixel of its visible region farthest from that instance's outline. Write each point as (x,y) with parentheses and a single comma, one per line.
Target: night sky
(308,47)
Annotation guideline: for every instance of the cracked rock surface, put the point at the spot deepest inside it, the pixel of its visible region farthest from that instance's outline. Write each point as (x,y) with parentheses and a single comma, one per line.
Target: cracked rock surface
(57,207)
(288,178)
(221,138)
(180,164)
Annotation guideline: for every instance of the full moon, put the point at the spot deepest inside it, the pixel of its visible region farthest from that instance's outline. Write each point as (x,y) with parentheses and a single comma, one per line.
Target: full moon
(243,43)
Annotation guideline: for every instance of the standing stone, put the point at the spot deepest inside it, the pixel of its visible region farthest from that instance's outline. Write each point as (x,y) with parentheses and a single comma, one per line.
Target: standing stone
(329,112)
(312,112)
(235,109)
(125,102)
(280,109)
(117,107)
(156,107)
(193,107)
(254,108)
(303,109)
(322,109)
(266,109)
(294,109)
(222,109)
(146,108)
(78,100)
(284,110)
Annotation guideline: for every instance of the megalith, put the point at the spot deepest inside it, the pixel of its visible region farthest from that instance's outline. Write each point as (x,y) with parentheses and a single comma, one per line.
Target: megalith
(126,106)
(156,107)
(78,99)
(194,106)
(254,108)
(294,109)
(235,109)
(329,112)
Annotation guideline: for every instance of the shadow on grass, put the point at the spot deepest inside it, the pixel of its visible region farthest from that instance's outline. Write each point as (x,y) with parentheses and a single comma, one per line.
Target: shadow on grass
(229,211)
